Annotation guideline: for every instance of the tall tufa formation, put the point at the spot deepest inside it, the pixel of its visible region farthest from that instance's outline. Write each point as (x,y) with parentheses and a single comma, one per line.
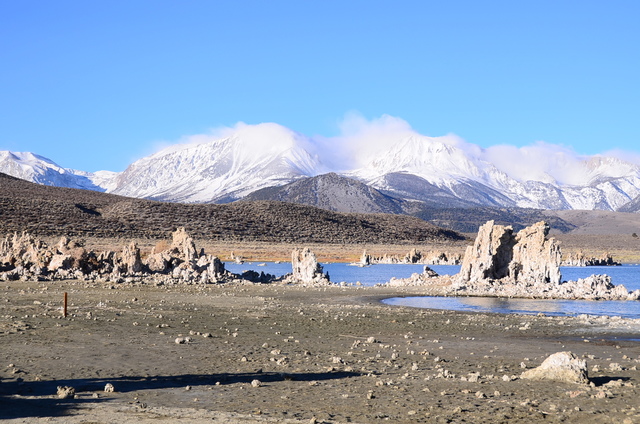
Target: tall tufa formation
(535,257)
(306,268)
(183,245)
(499,254)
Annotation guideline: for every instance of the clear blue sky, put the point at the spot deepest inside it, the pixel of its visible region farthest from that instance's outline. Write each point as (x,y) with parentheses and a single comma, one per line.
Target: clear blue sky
(96,84)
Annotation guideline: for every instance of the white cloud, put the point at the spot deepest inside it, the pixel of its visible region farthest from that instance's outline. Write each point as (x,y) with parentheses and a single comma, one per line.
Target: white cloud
(259,138)
(360,140)
(625,155)
(540,161)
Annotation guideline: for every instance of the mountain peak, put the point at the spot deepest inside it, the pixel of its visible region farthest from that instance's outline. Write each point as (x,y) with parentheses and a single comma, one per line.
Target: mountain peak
(222,167)
(38,169)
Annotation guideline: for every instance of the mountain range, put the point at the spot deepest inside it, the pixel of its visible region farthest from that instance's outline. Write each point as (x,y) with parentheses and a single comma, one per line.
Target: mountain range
(408,175)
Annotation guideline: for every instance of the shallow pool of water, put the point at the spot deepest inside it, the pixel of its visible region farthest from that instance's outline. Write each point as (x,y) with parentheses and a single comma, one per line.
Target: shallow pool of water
(625,309)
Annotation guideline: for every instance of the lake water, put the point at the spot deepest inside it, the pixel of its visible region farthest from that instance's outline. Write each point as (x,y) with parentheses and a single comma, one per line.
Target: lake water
(341,272)
(629,275)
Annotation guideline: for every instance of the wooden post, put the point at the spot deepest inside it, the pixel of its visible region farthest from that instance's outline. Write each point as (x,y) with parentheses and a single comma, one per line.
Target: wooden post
(64,310)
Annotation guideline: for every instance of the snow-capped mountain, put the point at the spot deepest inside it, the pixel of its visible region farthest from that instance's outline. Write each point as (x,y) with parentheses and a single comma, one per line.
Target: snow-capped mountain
(604,183)
(220,169)
(436,171)
(38,169)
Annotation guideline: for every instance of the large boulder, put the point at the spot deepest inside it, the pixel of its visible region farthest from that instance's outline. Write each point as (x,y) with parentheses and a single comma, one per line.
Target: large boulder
(74,250)
(158,262)
(561,366)
(60,261)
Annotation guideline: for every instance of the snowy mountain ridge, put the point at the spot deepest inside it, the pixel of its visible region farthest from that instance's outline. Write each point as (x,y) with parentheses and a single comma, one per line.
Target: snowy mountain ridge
(228,166)
(38,169)
(220,169)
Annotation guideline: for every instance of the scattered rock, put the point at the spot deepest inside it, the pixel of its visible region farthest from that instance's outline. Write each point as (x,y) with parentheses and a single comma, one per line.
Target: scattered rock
(66,392)
(614,366)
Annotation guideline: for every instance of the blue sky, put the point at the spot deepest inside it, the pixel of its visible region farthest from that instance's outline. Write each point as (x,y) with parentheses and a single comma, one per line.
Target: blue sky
(97,84)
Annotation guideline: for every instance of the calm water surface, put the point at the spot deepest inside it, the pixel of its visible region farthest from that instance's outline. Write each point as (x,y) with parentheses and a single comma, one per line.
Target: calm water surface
(341,272)
(629,275)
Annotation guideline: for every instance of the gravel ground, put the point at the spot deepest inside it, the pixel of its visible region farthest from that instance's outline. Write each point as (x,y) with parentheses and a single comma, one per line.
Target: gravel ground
(267,353)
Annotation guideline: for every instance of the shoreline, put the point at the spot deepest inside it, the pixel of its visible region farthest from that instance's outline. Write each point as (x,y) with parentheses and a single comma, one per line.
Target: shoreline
(594,246)
(271,353)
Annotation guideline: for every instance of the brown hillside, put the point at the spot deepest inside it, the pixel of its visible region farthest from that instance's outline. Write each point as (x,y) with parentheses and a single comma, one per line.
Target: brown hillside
(53,211)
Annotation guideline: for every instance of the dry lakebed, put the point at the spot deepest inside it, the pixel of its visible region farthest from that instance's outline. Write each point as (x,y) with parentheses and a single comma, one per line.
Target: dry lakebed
(254,353)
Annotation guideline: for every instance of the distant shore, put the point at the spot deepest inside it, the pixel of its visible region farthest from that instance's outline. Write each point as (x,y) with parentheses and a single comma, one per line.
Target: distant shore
(623,249)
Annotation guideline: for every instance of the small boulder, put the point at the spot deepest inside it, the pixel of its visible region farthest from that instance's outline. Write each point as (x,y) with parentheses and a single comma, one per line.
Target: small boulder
(66,392)
(561,366)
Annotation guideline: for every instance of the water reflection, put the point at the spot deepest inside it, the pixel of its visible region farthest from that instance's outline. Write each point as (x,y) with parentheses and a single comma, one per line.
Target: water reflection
(513,305)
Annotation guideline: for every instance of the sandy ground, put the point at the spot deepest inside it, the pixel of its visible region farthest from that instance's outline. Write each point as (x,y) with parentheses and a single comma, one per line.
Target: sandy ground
(325,355)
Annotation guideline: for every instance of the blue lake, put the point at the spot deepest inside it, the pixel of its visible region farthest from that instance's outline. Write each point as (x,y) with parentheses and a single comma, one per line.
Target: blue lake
(629,275)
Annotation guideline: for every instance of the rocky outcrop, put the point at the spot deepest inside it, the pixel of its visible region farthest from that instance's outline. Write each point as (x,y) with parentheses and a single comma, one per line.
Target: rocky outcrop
(306,269)
(183,246)
(365,259)
(580,259)
(427,277)
(416,257)
(130,259)
(26,258)
(594,287)
(525,257)
(564,367)
(23,251)
(526,264)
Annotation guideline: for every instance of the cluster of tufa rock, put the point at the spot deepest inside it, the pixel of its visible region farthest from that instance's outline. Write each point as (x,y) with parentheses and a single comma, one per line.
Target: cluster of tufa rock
(413,257)
(526,264)
(25,258)
(580,259)
(499,254)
